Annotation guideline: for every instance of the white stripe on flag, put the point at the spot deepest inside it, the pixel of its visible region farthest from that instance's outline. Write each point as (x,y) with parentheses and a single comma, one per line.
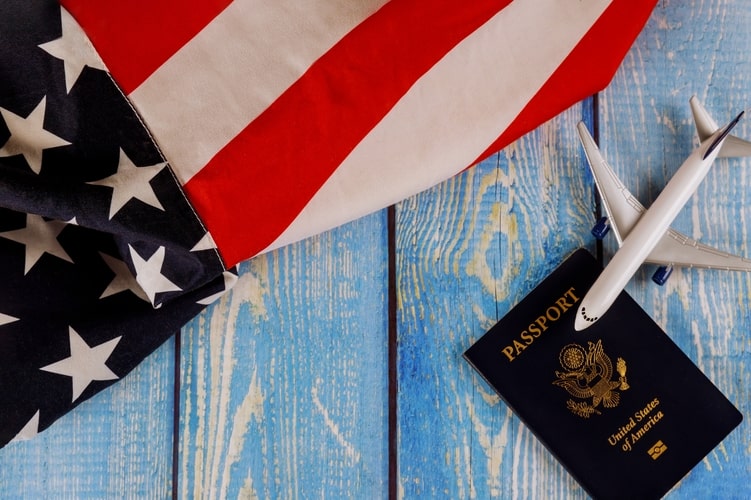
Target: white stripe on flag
(211,89)
(452,114)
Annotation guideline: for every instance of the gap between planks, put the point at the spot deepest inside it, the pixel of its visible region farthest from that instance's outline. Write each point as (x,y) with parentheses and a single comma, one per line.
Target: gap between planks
(393,382)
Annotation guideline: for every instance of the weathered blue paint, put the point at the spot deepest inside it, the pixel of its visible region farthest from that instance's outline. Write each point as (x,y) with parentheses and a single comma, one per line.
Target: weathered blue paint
(283,382)
(117,444)
(482,241)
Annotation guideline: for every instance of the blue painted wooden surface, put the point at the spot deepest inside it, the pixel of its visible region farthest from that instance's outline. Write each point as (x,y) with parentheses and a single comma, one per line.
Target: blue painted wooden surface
(482,241)
(283,384)
(118,442)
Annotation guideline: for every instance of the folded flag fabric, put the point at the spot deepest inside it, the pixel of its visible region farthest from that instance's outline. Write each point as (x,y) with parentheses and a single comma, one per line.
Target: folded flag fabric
(148,147)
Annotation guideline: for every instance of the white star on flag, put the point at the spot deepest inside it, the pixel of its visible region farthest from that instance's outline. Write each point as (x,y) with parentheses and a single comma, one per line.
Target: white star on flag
(39,237)
(206,243)
(29,431)
(85,364)
(28,136)
(123,280)
(131,182)
(74,48)
(149,274)
(5,319)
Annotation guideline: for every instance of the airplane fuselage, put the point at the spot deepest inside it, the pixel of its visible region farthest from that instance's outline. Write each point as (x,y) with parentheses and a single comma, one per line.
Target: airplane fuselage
(644,237)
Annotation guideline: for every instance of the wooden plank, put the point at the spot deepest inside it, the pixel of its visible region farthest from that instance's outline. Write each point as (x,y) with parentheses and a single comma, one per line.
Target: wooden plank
(468,250)
(702,48)
(285,380)
(117,443)
(460,269)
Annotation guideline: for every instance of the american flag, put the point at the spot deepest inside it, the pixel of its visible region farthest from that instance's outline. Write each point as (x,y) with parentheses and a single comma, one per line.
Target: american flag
(146,147)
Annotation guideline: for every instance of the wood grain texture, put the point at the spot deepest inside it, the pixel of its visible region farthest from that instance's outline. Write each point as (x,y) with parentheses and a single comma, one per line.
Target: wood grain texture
(456,439)
(284,381)
(116,445)
(702,48)
(468,250)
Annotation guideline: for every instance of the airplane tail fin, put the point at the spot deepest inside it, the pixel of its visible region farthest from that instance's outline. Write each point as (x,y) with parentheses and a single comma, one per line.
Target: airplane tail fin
(706,126)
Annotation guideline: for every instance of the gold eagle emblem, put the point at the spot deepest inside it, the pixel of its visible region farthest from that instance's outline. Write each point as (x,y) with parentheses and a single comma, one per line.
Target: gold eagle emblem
(588,375)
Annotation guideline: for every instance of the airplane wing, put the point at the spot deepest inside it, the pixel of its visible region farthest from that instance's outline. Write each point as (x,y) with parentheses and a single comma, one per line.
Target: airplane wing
(622,208)
(677,249)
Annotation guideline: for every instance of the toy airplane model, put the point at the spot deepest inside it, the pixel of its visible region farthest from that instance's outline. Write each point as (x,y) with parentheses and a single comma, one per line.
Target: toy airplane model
(645,235)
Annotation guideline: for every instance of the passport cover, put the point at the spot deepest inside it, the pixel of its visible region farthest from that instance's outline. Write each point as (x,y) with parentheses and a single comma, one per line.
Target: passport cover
(618,404)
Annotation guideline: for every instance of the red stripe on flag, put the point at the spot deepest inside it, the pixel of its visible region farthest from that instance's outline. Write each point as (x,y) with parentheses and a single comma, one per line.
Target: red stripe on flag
(255,187)
(592,64)
(135,37)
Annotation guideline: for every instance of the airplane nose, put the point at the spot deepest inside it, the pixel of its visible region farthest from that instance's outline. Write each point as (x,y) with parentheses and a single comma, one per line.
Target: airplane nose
(585,317)
(580,323)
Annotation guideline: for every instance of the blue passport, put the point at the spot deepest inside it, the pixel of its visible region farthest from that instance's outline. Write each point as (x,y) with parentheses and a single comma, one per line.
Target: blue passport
(625,411)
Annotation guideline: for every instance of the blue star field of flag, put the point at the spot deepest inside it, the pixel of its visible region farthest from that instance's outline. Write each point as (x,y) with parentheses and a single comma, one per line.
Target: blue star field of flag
(101,256)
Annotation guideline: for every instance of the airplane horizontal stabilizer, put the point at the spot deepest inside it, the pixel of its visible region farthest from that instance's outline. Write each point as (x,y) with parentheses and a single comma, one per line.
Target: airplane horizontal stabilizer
(735,147)
(706,126)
